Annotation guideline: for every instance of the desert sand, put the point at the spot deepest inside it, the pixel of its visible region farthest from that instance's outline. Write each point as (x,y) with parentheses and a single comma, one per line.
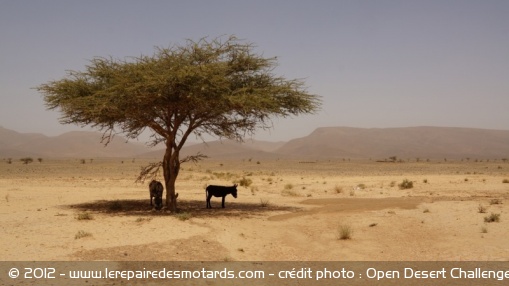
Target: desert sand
(72,210)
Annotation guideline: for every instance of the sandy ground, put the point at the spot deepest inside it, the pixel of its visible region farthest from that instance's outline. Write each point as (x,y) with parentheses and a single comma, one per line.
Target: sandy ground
(291,211)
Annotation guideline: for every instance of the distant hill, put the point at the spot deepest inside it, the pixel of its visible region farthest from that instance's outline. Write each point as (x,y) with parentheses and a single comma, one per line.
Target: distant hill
(81,144)
(411,142)
(323,143)
(227,149)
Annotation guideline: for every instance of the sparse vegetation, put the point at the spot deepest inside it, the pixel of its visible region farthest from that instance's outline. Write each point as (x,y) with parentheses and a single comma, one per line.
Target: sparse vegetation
(84,216)
(264,202)
(288,186)
(344,232)
(495,202)
(82,234)
(406,184)
(96,189)
(245,182)
(26,160)
(493,217)
(183,216)
(505,181)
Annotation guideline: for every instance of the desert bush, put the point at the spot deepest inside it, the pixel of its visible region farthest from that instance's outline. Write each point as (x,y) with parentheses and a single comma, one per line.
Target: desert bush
(244,182)
(493,217)
(183,216)
(40,160)
(481,209)
(361,186)
(392,184)
(484,229)
(505,181)
(224,176)
(288,186)
(142,219)
(495,202)
(81,234)
(264,203)
(344,232)
(26,160)
(406,184)
(84,216)
(338,189)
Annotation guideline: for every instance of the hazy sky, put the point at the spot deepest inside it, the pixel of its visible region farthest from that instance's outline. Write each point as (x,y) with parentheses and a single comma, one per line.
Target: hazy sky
(375,63)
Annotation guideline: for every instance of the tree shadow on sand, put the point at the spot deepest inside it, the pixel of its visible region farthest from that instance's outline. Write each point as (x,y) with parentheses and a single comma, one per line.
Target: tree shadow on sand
(196,208)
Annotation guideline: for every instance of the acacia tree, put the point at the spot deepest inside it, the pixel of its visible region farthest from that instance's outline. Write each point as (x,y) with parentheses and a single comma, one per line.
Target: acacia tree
(219,87)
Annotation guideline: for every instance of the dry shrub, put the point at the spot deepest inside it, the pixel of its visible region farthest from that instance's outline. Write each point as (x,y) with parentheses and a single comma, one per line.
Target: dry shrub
(345,232)
(82,234)
(493,217)
(264,203)
(84,216)
(406,184)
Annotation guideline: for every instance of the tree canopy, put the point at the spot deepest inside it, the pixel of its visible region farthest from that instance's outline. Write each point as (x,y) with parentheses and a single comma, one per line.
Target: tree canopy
(219,87)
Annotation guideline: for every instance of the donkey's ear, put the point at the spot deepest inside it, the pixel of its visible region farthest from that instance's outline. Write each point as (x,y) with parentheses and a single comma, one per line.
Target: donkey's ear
(235,185)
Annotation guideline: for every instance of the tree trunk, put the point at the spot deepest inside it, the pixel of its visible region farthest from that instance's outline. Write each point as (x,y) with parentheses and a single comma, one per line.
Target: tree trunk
(171,167)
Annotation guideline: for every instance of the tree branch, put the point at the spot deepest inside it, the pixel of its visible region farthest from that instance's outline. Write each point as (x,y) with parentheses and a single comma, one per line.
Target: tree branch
(150,170)
(194,158)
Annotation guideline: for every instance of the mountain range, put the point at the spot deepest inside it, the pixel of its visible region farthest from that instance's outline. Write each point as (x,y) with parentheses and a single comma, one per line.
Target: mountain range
(323,143)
